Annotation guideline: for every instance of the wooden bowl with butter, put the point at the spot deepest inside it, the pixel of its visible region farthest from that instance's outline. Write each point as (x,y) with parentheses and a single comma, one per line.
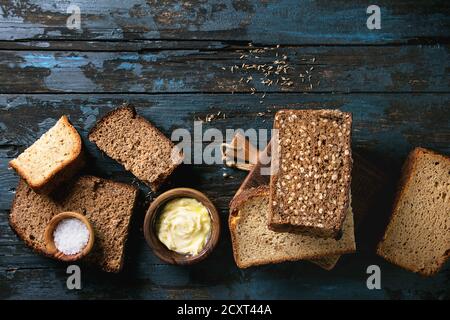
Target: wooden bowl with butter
(182,226)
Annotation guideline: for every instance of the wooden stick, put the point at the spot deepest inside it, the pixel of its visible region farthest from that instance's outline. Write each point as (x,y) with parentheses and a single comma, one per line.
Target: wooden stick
(240,153)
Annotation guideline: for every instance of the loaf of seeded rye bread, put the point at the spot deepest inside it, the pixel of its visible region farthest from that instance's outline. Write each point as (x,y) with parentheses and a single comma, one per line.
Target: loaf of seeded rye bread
(368,184)
(107,204)
(259,177)
(418,235)
(136,144)
(310,184)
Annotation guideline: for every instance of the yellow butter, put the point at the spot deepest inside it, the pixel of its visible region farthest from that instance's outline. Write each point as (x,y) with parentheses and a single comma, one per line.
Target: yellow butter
(184,225)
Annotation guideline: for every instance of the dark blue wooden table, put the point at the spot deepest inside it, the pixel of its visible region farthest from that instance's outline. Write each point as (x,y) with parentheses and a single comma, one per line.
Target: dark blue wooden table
(173,61)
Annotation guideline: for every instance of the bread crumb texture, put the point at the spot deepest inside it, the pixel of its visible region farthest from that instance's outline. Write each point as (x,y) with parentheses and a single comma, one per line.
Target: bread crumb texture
(418,235)
(135,143)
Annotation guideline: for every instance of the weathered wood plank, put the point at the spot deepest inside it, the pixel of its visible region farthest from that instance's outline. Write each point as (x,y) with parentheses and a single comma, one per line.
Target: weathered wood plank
(286,281)
(312,69)
(283,21)
(116,46)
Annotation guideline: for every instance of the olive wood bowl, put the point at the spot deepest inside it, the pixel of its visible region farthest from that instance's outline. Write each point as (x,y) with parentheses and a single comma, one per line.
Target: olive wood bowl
(49,241)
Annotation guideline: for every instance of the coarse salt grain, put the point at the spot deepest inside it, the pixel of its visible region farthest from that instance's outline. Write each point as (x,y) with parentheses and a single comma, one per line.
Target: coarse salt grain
(71,236)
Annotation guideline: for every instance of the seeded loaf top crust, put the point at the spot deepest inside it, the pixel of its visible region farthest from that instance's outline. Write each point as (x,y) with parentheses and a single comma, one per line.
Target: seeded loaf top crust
(136,144)
(107,204)
(312,172)
(55,157)
(418,235)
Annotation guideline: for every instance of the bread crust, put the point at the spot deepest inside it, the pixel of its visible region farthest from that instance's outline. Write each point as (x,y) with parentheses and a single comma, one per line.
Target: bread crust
(63,171)
(233,217)
(25,238)
(162,177)
(323,232)
(406,176)
(246,195)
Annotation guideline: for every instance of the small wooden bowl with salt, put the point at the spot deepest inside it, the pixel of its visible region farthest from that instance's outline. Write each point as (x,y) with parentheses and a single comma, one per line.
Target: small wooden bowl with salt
(67,239)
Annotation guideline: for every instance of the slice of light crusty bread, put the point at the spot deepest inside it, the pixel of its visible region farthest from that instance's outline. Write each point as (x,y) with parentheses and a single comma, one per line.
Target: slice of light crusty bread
(55,157)
(418,235)
(312,172)
(107,204)
(136,144)
(255,244)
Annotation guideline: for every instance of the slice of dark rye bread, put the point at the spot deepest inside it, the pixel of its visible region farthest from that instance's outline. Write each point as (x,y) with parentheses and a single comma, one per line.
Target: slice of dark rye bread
(418,235)
(136,144)
(107,204)
(310,186)
(255,244)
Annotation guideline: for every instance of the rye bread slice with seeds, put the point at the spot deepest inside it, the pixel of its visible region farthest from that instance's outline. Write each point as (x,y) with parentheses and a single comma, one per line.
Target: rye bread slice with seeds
(52,159)
(255,244)
(418,235)
(107,204)
(310,186)
(136,144)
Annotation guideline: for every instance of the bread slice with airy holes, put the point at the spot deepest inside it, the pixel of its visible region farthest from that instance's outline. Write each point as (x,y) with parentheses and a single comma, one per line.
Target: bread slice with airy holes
(255,244)
(136,144)
(54,158)
(418,235)
(107,204)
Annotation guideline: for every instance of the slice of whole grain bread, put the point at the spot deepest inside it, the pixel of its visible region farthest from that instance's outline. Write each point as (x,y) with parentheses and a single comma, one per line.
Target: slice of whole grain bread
(311,179)
(255,244)
(136,144)
(107,204)
(259,176)
(55,157)
(418,235)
